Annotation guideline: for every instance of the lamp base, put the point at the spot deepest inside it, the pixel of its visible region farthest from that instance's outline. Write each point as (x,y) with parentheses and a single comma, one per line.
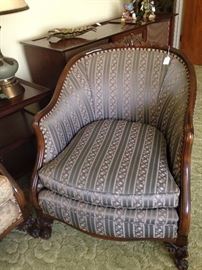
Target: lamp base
(11,88)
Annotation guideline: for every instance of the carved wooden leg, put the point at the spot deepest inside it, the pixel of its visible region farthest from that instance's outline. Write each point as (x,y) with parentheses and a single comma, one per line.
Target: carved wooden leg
(45,225)
(27,225)
(37,227)
(180,253)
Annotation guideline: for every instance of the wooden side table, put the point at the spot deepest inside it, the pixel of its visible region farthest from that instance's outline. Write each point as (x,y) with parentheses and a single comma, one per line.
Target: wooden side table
(17,143)
(46,59)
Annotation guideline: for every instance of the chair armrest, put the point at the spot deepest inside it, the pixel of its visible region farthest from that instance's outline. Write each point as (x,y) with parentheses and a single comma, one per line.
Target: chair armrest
(185,195)
(70,109)
(179,135)
(185,199)
(176,111)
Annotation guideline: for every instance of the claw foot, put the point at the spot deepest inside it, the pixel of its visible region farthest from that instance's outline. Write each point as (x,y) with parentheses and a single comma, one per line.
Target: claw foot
(180,254)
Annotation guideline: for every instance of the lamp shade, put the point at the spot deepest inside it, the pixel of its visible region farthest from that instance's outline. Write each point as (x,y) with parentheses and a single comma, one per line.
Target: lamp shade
(11,6)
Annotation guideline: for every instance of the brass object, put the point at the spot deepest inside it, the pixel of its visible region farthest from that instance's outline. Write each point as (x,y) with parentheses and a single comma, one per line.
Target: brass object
(9,85)
(11,88)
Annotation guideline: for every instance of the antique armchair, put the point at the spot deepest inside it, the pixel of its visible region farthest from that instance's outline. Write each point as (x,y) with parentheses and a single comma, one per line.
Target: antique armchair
(114,147)
(12,203)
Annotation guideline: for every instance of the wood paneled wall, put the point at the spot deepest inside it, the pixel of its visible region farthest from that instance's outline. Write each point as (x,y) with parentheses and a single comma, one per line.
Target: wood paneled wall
(191,40)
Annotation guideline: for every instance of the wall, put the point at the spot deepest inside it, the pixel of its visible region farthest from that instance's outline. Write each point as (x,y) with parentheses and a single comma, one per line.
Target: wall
(191,41)
(44,15)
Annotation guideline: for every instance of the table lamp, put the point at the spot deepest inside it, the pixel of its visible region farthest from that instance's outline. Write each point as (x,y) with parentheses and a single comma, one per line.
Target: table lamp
(9,85)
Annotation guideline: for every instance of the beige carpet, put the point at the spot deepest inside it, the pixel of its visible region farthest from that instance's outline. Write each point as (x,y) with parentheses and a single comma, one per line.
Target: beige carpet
(70,249)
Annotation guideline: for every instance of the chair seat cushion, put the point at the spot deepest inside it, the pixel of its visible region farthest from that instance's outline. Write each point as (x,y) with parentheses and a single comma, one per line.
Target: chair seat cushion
(114,163)
(123,223)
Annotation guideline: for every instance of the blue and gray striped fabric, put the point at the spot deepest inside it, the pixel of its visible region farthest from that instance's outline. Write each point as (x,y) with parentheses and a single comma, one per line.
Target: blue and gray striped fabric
(106,138)
(128,84)
(123,223)
(114,163)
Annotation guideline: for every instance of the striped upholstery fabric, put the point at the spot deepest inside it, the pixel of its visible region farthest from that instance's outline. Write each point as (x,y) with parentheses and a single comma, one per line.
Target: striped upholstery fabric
(129,84)
(105,168)
(73,110)
(123,223)
(134,85)
(172,107)
(126,84)
(114,163)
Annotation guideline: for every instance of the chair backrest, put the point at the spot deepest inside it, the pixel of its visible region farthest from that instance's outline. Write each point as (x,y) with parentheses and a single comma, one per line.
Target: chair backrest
(131,84)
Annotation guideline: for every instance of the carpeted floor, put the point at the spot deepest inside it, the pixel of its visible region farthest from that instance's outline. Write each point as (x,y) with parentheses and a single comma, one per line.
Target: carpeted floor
(71,249)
